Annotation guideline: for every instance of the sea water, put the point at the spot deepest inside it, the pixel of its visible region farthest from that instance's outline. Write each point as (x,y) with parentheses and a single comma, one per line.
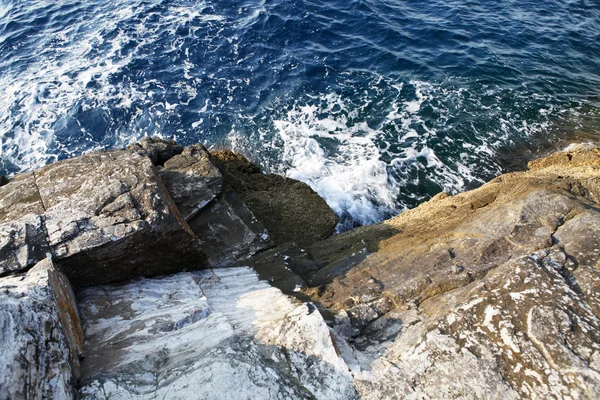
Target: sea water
(376,104)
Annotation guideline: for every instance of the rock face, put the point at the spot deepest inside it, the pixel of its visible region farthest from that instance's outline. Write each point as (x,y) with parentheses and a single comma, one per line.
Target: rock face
(40,335)
(226,228)
(192,179)
(94,212)
(217,335)
(498,285)
(492,293)
(23,242)
(290,210)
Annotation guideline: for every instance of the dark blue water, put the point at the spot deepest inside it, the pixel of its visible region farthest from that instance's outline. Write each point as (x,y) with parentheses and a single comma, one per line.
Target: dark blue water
(377,104)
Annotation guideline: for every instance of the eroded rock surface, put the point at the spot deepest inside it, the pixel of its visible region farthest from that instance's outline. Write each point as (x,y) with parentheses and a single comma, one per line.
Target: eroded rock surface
(93,213)
(289,209)
(207,335)
(491,293)
(40,335)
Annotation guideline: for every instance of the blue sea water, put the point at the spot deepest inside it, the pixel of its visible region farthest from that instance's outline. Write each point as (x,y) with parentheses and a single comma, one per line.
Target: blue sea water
(377,104)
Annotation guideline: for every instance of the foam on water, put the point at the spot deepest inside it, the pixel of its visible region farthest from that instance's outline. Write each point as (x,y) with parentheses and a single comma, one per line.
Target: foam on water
(376,107)
(339,161)
(74,73)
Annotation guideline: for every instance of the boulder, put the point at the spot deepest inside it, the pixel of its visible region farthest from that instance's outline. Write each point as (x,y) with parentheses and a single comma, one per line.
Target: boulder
(192,179)
(226,228)
(208,335)
(107,217)
(289,209)
(40,335)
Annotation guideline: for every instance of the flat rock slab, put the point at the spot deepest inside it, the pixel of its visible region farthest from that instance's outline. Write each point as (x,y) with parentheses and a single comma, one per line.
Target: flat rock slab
(207,335)
(40,335)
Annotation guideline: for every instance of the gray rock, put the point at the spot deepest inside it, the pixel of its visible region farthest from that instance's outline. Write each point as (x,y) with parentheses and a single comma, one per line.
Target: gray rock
(158,150)
(111,209)
(20,197)
(23,243)
(228,231)
(40,335)
(285,266)
(192,179)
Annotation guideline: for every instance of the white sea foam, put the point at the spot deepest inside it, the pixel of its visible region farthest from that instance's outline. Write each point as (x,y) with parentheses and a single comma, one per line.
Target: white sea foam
(72,72)
(349,174)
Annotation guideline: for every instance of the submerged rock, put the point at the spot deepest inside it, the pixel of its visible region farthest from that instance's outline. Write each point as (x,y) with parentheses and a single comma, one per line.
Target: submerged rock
(40,335)
(207,335)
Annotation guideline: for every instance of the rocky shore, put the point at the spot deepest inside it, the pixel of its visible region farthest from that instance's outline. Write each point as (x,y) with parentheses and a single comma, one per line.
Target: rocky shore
(160,271)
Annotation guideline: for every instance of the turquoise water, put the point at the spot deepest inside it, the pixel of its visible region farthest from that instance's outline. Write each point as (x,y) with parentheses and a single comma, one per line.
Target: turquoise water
(378,105)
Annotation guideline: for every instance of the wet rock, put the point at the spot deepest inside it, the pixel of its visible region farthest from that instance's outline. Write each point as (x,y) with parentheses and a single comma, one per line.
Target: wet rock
(40,335)
(188,335)
(3,180)
(158,150)
(290,210)
(23,243)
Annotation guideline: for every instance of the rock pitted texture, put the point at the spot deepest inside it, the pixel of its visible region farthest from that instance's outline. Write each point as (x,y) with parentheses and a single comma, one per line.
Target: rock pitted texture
(23,243)
(491,293)
(40,335)
(97,211)
(208,336)
(289,209)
